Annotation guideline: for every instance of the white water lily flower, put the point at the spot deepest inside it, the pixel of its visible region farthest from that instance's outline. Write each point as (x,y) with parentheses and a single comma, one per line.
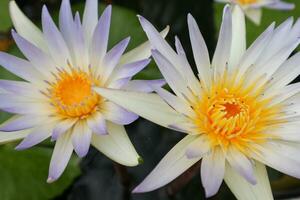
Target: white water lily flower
(253,8)
(240,115)
(56,97)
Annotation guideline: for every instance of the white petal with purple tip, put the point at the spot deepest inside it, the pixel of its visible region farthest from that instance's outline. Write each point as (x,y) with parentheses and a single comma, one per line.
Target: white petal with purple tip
(198,148)
(37,135)
(61,155)
(61,127)
(20,67)
(280,5)
(17,122)
(111,59)
(130,69)
(100,38)
(21,88)
(241,164)
(242,189)
(57,46)
(117,114)
(97,123)
(212,171)
(81,138)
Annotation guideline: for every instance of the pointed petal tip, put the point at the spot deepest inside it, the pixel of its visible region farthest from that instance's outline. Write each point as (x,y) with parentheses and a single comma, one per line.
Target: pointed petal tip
(20,147)
(50,180)
(137,190)
(81,153)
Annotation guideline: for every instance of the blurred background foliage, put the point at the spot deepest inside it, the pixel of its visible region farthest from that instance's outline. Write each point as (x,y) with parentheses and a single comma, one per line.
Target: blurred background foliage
(23,173)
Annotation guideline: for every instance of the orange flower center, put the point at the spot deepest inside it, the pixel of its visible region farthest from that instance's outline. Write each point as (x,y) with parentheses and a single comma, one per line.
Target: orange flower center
(72,94)
(232,114)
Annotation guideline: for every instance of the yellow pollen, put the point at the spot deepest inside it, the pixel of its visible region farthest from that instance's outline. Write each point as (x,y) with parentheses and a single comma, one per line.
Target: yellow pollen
(247,2)
(233,114)
(72,94)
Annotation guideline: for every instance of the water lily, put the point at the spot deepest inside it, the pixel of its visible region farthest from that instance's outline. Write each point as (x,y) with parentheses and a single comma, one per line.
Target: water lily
(253,8)
(240,115)
(56,98)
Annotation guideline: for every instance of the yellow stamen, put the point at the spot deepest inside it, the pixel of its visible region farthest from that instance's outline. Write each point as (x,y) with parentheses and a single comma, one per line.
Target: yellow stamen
(247,2)
(72,94)
(233,114)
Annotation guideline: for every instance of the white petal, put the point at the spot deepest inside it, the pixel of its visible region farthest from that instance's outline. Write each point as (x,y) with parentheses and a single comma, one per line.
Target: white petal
(171,166)
(61,155)
(24,105)
(25,27)
(200,51)
(238,45)
(20,67)
(254,15)
(175,102)
(241,164)
(21,88)
(287,132)
(6,137)
(285,93)
(282,33)
(242,189)
(212,171)
(175,80)
(116,145)
(198,148)
(162,46)
(141,52)
(192,82)
(81,138)
(66,22)
(274,157)
(222,53)
(270,66)
(255,50)
(148,106)
(287,72)
(41,61)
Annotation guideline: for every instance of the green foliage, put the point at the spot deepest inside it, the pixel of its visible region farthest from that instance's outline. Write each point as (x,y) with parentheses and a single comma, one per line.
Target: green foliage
(5,21)
(24,174)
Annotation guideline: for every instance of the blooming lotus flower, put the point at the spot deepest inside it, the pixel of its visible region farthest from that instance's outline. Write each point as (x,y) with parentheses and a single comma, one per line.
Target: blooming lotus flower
(239,116)
(56,98)
(253,8)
